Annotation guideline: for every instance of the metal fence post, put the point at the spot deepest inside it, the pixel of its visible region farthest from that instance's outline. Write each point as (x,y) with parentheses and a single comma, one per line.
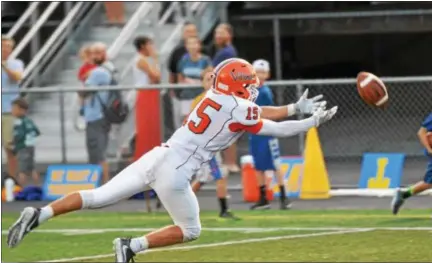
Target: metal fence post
(62,126)
(277,57)
(300,116)
(35,44)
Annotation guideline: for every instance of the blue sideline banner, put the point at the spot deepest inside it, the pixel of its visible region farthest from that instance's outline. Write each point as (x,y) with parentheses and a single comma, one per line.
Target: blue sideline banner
(61,180)
(381,170)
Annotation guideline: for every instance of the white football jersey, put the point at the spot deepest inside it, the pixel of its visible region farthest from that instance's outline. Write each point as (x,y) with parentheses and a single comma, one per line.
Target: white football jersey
(215,123)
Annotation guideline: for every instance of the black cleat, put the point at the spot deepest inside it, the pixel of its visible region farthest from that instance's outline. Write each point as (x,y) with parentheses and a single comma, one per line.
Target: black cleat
(228,214)
(262,204)
(123,252)
(397,201)
(27,221)
(285,204)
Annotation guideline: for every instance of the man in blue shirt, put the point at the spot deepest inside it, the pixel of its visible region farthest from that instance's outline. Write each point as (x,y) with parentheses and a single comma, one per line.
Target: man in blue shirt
(97,129)
(424,134)
(265,149)
(12,73)
(223,42)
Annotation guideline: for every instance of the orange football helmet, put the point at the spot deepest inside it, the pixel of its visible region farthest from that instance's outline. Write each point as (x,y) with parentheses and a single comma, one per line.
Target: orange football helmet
(236,77)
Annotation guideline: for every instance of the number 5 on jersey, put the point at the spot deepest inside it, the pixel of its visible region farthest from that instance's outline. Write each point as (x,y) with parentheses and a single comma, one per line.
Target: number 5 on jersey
(204,122)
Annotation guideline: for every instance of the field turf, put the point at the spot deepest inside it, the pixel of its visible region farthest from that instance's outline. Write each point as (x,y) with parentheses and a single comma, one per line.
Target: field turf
(296,236)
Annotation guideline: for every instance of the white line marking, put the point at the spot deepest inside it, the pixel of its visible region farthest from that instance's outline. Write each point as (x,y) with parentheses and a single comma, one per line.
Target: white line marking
(83,231)
(245,241)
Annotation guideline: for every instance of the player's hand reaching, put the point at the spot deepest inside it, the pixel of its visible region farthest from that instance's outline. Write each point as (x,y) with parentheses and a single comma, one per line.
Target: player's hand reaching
(309,106)
(322,115)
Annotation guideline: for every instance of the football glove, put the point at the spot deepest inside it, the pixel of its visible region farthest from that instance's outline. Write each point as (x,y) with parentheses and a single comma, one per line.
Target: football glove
(309,106)
(322,115)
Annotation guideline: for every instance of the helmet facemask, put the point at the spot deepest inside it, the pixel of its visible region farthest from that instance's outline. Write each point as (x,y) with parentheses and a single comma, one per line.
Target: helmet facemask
(253,91)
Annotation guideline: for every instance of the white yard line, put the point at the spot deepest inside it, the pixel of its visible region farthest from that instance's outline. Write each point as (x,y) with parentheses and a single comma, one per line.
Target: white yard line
(244,241)
(82,231)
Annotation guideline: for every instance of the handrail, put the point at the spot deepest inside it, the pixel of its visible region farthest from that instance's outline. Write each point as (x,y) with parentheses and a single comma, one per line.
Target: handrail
(58,36)
(274,83)
(60,29)
(325,15)
(168,12)
(26,15)
(81,23)
(50,9)
(129,29)
(175,32)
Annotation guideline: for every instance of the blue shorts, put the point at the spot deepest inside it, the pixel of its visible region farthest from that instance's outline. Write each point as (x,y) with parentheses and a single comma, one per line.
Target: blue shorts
(211,171)
(265,152)
(214,169)
(428,176)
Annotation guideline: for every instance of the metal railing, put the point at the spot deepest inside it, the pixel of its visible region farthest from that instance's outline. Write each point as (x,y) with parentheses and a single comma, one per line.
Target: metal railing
(129,29)
(79,26)
(61,29)
(357,128)
(328,15)
(43,18)
(23,18)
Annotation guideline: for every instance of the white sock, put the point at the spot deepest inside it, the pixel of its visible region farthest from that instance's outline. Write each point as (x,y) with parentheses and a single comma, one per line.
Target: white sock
(138,244)
(45,214)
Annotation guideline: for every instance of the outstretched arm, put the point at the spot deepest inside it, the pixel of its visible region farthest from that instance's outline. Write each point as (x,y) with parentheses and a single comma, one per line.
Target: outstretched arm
(290,128)
(277,112)
(303,105)
(286,128)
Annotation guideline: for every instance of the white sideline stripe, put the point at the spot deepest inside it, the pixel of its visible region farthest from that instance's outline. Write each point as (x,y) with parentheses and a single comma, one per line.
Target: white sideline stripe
(222,229)
(245,241)
(370,192)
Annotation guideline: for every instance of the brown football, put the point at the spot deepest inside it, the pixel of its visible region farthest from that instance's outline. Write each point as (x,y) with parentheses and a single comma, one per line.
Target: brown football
(372,90)
(429,136)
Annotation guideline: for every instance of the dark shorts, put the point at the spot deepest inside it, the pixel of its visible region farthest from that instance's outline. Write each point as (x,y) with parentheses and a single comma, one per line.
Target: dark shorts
(428,176)
(25,158)
(97,140)
(265,153)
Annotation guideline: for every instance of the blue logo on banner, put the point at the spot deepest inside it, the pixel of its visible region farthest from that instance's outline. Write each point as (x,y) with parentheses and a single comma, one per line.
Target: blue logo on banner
(292,168)
(61,180)
(381,170)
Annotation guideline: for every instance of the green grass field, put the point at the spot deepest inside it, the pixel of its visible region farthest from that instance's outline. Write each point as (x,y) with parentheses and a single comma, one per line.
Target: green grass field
(322,236)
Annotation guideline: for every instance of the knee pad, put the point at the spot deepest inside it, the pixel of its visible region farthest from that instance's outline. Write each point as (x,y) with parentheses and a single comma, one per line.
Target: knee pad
(191,233)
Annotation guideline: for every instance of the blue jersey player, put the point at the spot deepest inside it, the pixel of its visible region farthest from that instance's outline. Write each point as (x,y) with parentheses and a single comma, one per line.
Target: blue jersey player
(265,149)
(401,195)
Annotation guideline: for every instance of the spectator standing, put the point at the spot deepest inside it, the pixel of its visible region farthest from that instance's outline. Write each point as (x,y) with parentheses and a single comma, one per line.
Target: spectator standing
(189,30)
(97,127)
(146,66)
(83,72)
(12,74)
(225,50)
(191,69)
(115,12)
(25,134)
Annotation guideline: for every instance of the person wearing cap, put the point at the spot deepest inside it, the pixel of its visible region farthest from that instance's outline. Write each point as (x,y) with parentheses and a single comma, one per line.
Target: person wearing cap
(265,149)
